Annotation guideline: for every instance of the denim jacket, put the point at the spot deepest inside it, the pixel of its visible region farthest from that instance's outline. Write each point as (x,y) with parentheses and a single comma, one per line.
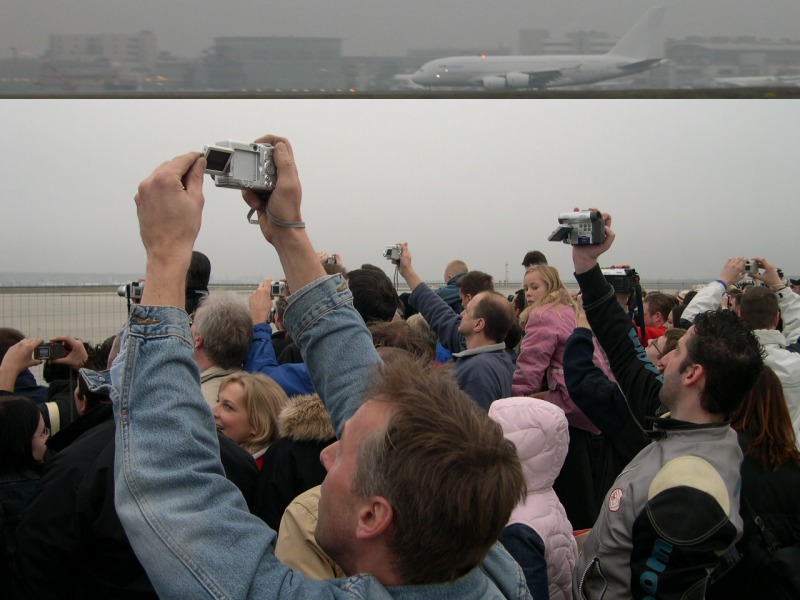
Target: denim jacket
(189,526)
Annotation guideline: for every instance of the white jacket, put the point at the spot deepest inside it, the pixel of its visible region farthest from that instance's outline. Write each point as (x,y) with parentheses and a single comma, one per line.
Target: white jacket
(539,431)
(785,363)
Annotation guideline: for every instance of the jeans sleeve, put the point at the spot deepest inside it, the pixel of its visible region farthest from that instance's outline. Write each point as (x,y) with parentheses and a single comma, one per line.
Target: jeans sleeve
(189,526)
(336,344)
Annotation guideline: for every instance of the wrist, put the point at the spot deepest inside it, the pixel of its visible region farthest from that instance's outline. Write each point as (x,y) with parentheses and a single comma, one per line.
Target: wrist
(777,287)
(583,264)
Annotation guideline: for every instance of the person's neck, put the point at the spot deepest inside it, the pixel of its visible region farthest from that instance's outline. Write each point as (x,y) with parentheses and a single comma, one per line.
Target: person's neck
(694,413)
(202,361)
(478,341)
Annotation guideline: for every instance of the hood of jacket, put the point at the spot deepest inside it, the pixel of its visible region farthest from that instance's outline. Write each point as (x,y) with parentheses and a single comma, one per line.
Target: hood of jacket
(305,419)
(540,432)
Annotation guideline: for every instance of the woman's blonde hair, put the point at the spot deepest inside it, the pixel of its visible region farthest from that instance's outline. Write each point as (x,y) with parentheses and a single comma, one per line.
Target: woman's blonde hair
(557,293)
(263,401)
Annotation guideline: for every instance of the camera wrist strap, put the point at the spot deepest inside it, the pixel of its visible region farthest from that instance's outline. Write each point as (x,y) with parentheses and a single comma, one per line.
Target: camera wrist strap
(276,220)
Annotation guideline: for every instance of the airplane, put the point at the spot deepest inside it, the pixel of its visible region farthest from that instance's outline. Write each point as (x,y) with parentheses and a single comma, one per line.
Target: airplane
(758,81)
(631,54)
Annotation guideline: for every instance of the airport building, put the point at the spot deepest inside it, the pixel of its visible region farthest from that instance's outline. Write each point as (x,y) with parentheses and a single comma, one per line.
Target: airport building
(698,61)
(275,64)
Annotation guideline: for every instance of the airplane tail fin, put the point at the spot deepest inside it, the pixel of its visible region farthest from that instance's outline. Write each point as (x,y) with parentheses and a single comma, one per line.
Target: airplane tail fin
(639,41)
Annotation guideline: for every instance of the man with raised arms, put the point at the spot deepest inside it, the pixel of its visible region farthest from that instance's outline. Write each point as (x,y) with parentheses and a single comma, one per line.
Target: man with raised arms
(675,508)
(420,482)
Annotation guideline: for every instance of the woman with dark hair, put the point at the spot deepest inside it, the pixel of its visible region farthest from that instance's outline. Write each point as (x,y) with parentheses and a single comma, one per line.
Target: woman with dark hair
(770,486)
(22,446)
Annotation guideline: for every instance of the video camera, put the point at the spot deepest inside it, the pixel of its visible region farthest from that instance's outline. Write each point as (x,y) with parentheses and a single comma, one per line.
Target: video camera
(241,166)
(49,351)
(132,290)
(393,253)
(622,279)
(581,228)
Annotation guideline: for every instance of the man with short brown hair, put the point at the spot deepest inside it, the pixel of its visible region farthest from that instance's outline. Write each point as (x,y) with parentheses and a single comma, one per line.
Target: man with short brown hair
(192,529)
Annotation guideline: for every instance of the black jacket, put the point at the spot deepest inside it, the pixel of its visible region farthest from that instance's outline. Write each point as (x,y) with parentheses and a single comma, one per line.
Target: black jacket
(70,541)
(625,423)
(291,465)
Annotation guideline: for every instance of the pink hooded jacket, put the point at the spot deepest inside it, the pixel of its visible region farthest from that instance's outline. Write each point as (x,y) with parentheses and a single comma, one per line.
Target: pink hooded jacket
(539,431)
(541,360)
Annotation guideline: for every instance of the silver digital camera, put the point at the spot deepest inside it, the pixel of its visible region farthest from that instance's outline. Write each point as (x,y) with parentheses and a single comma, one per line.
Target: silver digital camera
(582,228)
(751,265)
(278,288)
(241,166)
(393,253)
(132,290)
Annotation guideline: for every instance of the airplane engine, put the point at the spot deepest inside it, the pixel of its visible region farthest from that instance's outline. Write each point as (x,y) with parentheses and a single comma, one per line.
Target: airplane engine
(518,80)
(494,83)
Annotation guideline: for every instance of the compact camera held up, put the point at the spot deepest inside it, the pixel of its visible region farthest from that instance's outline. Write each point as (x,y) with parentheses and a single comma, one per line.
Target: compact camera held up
(241,166)
(393,253)
(751,266)
(580,228)
(278,288)
(49,351)
(131,291)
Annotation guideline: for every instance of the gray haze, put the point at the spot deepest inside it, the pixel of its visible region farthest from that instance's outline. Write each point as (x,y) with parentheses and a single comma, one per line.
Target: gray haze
(689,183)
(379,27)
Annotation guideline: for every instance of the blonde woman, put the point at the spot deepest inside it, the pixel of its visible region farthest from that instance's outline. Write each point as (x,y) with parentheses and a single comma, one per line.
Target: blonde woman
(247,409)
(548,320)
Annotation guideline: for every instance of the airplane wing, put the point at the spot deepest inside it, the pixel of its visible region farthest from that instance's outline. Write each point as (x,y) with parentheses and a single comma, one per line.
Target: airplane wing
(641,65)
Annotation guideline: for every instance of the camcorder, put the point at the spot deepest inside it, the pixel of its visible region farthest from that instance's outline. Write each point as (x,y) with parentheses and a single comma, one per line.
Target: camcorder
(580,228)
(278,288)
(393,253)
(241,166)
(132,290)
(622,279)
(49,350)
(751,265)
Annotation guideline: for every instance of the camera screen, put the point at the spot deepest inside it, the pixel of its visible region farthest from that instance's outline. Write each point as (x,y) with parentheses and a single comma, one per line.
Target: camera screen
(217,160)
(43,352)
(245,165)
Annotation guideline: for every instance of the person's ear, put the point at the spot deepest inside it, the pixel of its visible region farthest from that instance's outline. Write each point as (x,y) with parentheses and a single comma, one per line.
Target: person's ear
(375,517)
(693,374)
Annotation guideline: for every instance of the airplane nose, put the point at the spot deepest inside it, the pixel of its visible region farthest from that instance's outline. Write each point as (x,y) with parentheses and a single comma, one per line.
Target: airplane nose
(418,76)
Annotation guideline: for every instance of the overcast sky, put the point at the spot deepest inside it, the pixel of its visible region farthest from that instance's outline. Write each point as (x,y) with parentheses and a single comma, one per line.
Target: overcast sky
(379,27)
(689,183)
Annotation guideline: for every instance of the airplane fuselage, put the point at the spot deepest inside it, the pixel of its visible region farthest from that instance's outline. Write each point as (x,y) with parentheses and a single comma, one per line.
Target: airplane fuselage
(526,71)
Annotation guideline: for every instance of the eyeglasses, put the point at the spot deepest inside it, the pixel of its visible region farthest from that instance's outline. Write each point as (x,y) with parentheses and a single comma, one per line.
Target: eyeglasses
(655,345)
(45,433)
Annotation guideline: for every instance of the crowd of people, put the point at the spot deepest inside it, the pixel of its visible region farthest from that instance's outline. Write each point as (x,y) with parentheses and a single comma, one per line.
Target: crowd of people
(336,439)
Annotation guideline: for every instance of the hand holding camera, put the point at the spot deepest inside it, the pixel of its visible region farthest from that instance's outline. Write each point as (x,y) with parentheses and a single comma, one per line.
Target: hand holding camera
(18,358)
(261,302)
(72,352)
(584,256)
(771,274)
